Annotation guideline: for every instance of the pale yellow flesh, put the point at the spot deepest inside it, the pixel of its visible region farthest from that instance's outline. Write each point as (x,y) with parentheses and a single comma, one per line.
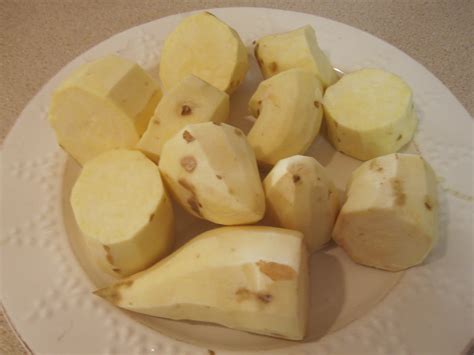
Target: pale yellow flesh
(248,278)
(300,196)
(289,114)
(369,113)
(103,105)
(206,47)
(192,100)
(121,207)
(212,172)
(294,49)
(390,218)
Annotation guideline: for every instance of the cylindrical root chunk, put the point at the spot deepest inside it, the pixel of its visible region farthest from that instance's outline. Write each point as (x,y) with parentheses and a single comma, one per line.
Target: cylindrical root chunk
(191,101)
(294,49)
(390,218)
(248,278)
(369,113)
(103,105)
(204,46)
(300,196)
(289,113)
(212,172)
(124,212)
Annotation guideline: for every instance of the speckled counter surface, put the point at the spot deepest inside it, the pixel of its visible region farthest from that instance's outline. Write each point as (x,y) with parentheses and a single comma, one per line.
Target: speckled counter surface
(37,38)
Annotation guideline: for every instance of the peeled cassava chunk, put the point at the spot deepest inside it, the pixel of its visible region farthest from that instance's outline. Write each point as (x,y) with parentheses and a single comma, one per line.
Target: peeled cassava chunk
(369,113)
(212,172)
(191,101)
(103,105)
(123,211)
(300,196)
(204,46)
(294,49)
(390,218)
(289,113)
(248,278)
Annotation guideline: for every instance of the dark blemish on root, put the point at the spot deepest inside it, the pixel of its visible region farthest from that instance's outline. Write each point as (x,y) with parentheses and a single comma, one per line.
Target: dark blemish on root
(219,177)
(188,137)
(317,104)
(244,294)
(188,163)
(217,123)
(400,197)
(273,67)
(151,217)
(211,352)
(254,42)
(116,270)
(157,122)
(399,137)
(296,178)
(108,255)
(194,205)
(185,110)
(428,203)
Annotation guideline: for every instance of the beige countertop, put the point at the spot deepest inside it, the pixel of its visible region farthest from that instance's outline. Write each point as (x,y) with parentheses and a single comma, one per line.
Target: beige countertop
(38,38)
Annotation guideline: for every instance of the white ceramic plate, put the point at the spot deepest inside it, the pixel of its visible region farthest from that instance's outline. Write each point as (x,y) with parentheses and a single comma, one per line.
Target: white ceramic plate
(47,278)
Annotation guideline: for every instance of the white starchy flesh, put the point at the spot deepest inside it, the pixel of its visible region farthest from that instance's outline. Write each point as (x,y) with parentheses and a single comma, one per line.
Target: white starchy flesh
(300,196)
(123,211)
(248,278)
(105,104)
(390,218)
(294,49)
(206,47)
(289,113)
(369,113)
(191,101)
(211,170)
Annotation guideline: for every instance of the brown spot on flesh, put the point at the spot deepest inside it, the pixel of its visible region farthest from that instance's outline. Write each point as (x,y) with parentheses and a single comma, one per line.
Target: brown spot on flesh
(273,67)
(188,163)
(276,271)
(238,132)
(398,193)
(108,255)
(116,270)
(317,104)
(156,121)
(188,137)
(194,205)
(254,42)
(244,294)
(186,110)
(211,352)
(151,217)
(265,297)
(296,178)
(428,203)
(113,293)
(399,137)
(219,177)
(217,123)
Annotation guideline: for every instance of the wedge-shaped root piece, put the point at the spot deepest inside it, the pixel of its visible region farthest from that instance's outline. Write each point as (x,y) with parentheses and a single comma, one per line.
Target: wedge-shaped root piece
(204,46)
(123,211)
(105,104)
(369,113)
(390,218)
(191,101)
(289,113)
(211,170)
(294,49)
(300,196)
(248,278)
